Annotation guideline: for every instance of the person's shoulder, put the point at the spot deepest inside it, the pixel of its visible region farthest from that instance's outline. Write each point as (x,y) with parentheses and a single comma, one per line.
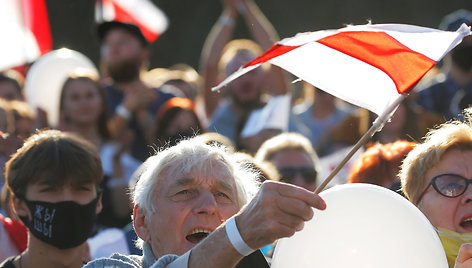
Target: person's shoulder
(116,260)
(166,260)
(223,110)
(8,262)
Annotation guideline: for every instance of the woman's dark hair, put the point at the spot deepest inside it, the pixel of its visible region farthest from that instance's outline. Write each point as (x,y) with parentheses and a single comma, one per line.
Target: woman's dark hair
(167,114)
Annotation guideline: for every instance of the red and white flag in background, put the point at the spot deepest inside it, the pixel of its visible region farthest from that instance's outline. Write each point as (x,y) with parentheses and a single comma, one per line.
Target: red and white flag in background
(150,19)
(366,65)
(25,32)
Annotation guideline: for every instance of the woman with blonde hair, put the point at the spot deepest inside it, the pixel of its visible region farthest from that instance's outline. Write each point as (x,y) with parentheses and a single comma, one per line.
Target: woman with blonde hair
(435,177)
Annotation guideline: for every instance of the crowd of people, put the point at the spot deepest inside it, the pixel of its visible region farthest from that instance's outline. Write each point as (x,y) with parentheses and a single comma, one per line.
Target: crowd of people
(149,168)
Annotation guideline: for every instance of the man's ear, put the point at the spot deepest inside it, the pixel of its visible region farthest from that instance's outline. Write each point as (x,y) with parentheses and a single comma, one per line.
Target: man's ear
(140,223)
(19,207)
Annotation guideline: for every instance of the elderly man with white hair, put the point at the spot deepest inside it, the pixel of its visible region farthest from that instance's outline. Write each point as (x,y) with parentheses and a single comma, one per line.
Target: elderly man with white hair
(195,206)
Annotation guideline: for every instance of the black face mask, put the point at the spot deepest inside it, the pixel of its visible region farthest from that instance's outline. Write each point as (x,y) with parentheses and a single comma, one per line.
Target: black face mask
(64,224)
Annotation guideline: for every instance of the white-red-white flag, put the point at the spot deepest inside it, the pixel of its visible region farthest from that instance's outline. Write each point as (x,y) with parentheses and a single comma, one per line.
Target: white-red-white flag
(366,65)
(25,32)
(143,13)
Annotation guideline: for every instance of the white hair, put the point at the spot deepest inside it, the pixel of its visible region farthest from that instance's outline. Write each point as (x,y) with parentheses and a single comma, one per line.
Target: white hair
(196,156)
(191,155)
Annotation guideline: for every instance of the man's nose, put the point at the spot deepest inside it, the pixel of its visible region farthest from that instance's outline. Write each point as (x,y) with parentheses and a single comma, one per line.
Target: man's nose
(66,194)
(206,204)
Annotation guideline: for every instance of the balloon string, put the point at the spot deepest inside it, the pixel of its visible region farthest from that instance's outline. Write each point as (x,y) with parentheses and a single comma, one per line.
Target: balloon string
(376,126)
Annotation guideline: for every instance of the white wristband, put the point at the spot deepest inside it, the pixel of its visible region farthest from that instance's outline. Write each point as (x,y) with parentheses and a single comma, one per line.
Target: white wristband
(235,238)
(123,112)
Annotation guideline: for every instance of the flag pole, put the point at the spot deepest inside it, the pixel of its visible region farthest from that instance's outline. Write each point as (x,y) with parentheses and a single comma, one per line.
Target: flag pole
(376,126)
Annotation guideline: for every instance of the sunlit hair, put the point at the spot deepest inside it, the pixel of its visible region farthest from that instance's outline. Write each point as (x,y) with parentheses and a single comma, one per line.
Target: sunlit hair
(15,110)
(451,135)
(192,156)
(158,77)
(54,155)
(380,163)
(236,47)
(266,170)
(287,141)
(21,109)
(215,138)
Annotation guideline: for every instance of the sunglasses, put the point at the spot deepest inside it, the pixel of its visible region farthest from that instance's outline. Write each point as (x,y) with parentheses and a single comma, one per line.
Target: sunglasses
(448,185)
(288,174)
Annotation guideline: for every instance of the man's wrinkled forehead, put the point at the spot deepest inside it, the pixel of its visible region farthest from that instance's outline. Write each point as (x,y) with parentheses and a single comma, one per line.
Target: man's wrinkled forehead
(216,174)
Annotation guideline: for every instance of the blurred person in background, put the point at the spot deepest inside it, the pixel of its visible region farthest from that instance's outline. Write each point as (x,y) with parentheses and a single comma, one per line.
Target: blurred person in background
(220,57)
(380,163)
(293,156)
(451,90)
(16,125)
(322,116)
(83,111)
(176,120)
(131,103)
(181,76)
(13,233)
(10,87)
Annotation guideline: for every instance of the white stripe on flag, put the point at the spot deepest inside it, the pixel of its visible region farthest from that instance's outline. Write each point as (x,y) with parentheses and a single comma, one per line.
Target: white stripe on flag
(146,13)
(367,65)
(339,75)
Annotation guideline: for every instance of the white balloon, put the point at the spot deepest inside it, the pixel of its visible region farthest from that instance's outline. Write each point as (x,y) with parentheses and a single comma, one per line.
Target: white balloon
(46,76)
(364,225)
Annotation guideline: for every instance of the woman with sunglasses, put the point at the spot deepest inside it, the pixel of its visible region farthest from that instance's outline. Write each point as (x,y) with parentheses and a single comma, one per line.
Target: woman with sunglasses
(435,177)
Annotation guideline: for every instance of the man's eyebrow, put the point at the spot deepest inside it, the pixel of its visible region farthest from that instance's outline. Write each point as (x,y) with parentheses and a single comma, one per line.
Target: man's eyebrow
(191,181)
(225,185)
(47,181)
(185,181)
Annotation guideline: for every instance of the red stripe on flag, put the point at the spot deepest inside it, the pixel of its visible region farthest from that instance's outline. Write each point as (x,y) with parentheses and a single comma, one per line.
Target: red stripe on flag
(124,16)
(35,18)
(275,51)
(403,65)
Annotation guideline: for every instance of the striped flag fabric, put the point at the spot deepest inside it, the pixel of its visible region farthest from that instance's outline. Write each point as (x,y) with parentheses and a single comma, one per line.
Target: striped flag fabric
(25,31)
(143,13)
(366,65)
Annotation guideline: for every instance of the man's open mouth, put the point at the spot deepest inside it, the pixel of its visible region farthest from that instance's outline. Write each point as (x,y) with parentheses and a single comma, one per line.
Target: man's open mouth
(197,235)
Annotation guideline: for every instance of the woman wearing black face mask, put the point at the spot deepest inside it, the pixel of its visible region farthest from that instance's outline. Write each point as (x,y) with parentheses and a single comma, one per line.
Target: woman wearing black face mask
(54,180)
(176,120)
